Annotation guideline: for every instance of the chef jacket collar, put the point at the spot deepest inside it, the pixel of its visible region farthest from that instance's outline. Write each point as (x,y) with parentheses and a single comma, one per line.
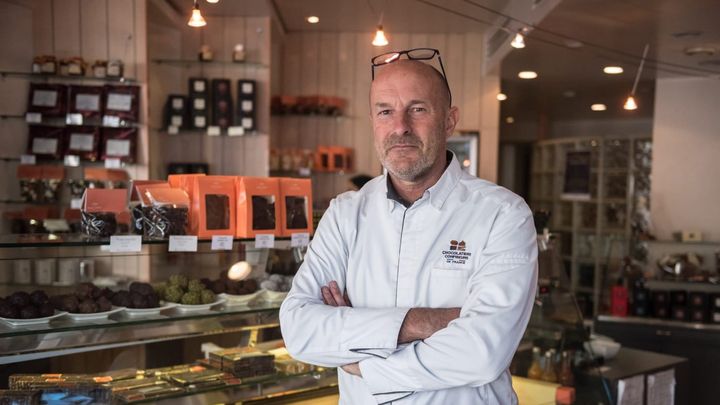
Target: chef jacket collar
(438,193)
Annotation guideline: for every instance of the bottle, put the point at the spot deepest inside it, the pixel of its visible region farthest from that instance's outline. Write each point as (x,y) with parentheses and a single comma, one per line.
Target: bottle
(566,376)
(535,370)
(548,373)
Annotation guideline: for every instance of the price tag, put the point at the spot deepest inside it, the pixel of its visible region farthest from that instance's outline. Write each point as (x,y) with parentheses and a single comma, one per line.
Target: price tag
(33,118)
(72,160)
(182,243)
(299,239)
(221,242)
(125,243)
(111,121)
(76,203)
(236,131)
(304,171)
(56,225)
(113,163)
(27,159)
(213,130)
(264,241)
(74,119)
(173,130)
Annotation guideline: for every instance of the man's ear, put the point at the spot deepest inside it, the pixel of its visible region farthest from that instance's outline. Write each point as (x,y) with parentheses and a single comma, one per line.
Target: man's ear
(451,121)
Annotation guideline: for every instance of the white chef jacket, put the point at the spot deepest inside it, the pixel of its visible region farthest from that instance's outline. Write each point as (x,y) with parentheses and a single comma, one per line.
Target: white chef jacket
(465,243)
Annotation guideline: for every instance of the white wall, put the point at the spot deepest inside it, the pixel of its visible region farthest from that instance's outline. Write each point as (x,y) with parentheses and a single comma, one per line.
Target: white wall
(686,157)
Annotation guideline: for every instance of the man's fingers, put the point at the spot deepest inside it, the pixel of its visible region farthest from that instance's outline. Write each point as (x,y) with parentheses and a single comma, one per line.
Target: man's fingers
(336,294)
(327,297)
(347,299)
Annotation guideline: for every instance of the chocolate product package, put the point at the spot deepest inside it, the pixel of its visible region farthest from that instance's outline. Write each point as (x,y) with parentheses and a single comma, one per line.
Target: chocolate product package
(120,143)
(296,210)
(217,211)
(213,203)
(134,383)
(48,99)
(40,183)
(46,142)
(83,141)
(122,102)
(176,109)
(222,104)
(257,206)
(100,211)
(20,397)
(155,391)
(198,86)
(87,101)
(178,369)
(167,212)
(263,212)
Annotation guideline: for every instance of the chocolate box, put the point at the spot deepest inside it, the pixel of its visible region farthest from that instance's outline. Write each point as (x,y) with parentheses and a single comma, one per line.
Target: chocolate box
(46,142)
(122,102)
(213,206)
(120,143)
(258,206)
(83,141)
(48,99)
(87,101)
(296,206)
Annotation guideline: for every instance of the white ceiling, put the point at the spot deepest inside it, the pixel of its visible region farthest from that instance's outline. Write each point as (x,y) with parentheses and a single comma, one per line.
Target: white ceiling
(612,31)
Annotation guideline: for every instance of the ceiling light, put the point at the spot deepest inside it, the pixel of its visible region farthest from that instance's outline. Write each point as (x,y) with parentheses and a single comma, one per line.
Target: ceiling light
(613,70)
(630,104)
(502,96)
(527,74)
(518,42)
(598,107)
(213,1)
(313,19)
(706,50)
(196,19)
(509,120)
(380,39)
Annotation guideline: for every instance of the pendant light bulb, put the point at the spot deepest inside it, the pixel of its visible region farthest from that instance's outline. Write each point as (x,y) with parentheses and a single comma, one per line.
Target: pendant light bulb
(630,103)
(213,1)
(196,19)
(380,39)
(518,42)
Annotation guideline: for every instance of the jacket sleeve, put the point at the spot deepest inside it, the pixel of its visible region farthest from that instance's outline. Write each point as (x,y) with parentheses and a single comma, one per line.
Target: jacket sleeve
(476,348)
(333,336)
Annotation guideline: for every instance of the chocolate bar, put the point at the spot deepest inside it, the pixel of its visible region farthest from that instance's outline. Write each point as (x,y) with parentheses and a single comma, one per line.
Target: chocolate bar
(98,224)
(217,211)
(151,392)
(295,212)
(263,212)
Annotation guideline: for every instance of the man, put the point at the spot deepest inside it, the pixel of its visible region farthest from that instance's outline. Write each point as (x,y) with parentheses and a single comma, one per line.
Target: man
(419,286)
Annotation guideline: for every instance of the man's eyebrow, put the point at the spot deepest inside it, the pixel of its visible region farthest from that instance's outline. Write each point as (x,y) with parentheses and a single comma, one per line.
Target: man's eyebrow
(382,105)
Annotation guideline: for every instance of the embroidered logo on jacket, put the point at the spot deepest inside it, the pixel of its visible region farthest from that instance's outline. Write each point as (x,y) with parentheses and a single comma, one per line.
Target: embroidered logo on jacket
(456,254)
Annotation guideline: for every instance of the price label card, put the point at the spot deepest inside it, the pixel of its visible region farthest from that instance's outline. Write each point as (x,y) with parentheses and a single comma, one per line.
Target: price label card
(221,242)
(125,243)
(299,239)
(264,241)
(72,160)
(74,119)
(27,159)
(213,130)
(111,121)
(236,131)
(33,118)
(183,243)
(113,163)
(76,203)
(173,130)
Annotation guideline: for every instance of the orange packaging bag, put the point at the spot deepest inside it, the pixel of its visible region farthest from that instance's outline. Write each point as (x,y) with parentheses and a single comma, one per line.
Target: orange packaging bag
(213,206)
(322,159)
(296,206)
(257,206)
(186,182)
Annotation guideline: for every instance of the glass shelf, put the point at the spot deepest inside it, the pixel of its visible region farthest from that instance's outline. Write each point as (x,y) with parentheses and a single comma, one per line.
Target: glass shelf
(63,336)
(81,240)
(191,62)
(36,76)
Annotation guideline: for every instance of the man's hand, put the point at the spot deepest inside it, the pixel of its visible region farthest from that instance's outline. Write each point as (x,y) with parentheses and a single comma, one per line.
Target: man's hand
(352,368)
(332,296)
(421,323)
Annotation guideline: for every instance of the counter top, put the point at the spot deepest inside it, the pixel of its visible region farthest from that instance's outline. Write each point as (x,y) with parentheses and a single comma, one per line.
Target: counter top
(659,322)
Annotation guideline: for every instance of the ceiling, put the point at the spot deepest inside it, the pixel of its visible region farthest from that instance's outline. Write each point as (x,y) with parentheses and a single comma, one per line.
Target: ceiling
(612,32)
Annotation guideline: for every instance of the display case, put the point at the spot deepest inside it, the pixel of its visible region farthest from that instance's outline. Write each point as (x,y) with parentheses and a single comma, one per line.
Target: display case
(110,343)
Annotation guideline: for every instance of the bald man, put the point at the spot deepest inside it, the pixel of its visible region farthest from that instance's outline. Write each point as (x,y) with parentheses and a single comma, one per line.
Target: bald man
(419,286)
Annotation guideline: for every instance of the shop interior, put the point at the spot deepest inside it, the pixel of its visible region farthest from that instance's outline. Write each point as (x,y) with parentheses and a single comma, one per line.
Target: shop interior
(116,116)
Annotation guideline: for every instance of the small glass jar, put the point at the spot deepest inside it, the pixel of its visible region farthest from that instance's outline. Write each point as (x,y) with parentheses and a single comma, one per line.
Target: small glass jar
(115,68)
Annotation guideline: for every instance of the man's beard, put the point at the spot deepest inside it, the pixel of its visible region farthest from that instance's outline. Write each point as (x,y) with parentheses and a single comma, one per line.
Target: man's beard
(400,167)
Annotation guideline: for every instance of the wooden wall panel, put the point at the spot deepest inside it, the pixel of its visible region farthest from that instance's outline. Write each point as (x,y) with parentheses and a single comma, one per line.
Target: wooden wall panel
(93,33)
(121,34)
(66,28)
(42,27)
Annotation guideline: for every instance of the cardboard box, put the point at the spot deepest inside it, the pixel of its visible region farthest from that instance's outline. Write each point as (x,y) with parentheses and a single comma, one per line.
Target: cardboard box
(322,159)
(213,206)
(258,210)
(296,206)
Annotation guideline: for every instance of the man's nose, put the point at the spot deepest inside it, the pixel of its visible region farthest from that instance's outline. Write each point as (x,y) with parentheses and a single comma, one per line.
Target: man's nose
(401,124)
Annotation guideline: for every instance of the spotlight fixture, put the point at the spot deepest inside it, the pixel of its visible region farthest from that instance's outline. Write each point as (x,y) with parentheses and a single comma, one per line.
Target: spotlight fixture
(598,107)
(196,19)
(613,70)
(313,19)
(239,271)
(213,1)
(527,74)
(380,39)
(501,96)
(509,120)
(630,103)
(518,42)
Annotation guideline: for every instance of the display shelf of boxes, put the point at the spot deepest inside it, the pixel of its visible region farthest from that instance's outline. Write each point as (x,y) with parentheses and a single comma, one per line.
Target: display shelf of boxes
(596,233)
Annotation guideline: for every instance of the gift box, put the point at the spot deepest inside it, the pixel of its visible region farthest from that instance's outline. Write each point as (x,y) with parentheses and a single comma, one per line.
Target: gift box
(296,206)
(119,143)
(86,101)
(222,108)
(83,141)
(322,159)
(48,99)
(122,102)
(341,159)
(213,206)
(46,142)
(258,210)
(176,111)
